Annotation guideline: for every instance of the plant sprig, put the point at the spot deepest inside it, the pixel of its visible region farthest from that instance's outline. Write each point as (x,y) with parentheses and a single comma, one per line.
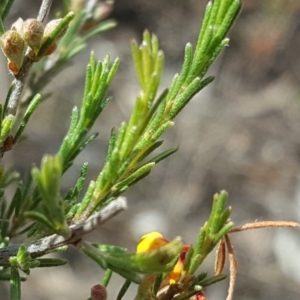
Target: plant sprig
(61,219)
(98,78)
(153,115)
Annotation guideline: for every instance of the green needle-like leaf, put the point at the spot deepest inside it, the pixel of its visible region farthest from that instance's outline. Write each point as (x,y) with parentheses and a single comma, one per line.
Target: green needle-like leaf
(6,9)
(15,284)
(192,89)
(188,258)
(6,127)
(136,176)
(156,159)
(98,78)
(106,278)
(103,26)
(178,82)
(51,262)
(72,196)
(48,183)
(39,217)
(124,289)
(30,109)
(55,33)
(212,280)
(7,277)
(218,207)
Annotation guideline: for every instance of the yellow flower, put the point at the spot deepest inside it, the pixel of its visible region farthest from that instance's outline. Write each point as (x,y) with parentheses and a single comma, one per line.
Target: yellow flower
(155,240)
(150,242)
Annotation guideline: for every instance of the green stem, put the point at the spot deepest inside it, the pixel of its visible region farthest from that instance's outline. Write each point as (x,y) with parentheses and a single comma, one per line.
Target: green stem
(106,277)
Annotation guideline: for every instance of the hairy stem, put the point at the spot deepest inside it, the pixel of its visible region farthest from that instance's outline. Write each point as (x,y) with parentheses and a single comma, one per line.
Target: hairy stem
(78,231)
(20,78)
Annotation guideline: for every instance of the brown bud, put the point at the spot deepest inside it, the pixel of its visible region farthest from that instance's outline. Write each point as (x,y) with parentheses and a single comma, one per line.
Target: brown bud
(13,67)
(32,33)
(51,49)
(13,47)
(8,143)
(220,258)
(98,292)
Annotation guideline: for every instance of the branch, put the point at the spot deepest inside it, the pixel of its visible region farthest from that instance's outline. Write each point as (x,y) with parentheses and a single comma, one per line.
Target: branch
(49,243)
(19,84)
(20,78)
(44,10)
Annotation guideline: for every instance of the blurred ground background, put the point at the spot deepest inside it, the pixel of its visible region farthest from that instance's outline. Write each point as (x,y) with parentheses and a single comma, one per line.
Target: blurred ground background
(242,134)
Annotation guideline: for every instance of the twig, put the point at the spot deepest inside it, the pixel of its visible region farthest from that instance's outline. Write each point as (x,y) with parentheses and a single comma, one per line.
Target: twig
(45,245)
(265,224)
(19,84)
(44,10)
(20,78)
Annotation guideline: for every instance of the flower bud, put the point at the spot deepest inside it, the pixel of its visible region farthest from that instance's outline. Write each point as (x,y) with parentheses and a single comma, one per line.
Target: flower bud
(13,47)
(98,292)
(199,296)
(32,33)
